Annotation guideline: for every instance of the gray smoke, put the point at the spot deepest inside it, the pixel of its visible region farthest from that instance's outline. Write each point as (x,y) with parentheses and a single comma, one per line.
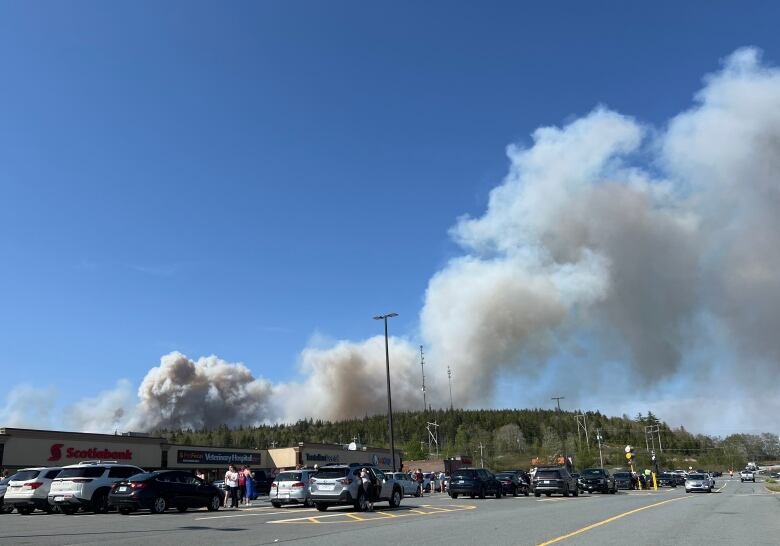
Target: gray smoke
(611,249)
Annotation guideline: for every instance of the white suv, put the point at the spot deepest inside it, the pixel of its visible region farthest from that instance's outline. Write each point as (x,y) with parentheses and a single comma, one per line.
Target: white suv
(29,489)
(87,484)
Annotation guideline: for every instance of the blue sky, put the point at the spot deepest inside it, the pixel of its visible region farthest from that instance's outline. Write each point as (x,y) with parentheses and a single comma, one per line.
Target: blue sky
(235,178)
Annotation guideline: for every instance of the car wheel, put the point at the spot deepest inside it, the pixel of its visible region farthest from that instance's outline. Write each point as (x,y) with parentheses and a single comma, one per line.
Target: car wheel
(181,508)
(395,499)
(360,504)
(537,494)
(68,510)
(498,492)
(687,490)
(576,492)
(514,492)
(24,510)
(308,502)
(454,495)
(159,505)
(320,507)
(548,494)
(482,493)
(276,504)
(566,492)
(526,492)
(214,503)
(100,502)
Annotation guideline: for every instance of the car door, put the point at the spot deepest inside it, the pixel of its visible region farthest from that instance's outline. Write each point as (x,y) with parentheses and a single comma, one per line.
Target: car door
(384,487)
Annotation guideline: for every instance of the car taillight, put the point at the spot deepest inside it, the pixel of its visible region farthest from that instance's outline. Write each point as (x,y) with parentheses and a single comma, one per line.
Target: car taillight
(33,485)
(298,485)
(137,485)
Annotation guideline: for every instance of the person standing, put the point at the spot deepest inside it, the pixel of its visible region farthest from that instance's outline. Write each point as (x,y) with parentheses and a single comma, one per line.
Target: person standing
(419,478)
(249,484)
(368,488)
(231,482)
(241,485)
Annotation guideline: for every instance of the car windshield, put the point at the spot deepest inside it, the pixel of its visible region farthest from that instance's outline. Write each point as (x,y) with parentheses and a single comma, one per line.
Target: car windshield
(666,475)
(327,473)
(82,472)
(461,474)
(547,474)
(696,477)
(622,475)
(592,472)
(25,475)
(289,477)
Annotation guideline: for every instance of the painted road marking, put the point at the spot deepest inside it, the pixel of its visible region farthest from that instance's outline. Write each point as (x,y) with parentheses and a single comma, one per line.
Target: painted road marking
(608,520)
(255,514)
(367,517)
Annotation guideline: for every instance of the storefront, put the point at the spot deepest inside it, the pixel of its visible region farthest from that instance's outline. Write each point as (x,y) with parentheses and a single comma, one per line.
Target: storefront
(20,448)
(307,454)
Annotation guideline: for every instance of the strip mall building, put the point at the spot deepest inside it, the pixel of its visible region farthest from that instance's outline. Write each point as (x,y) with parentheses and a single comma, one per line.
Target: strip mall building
(20,448)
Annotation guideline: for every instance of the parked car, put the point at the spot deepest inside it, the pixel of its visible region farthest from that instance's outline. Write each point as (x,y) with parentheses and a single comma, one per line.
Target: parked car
(408,485)
(624,480)
(28,490)
(698,482)
(262,481)
(291,487)
(86,485)
(513,483)
(4,508)
(431,482)
(475,482)
(554,479)
(162,489)
(747,476)
(666,479)
(597,479)
(334,485)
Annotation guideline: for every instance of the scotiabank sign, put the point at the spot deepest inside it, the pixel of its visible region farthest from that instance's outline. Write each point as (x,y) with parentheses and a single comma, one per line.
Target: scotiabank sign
(59,452)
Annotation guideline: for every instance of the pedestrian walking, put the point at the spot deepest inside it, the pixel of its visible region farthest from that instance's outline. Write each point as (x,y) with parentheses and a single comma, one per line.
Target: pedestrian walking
(231,482)
(249,483)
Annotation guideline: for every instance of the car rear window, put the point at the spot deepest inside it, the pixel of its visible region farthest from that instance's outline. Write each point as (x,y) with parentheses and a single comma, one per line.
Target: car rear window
(25,475)
(289,477)
(141,477)
(331,473)
(505,475)
(547,474)
(82,472)
(468,474)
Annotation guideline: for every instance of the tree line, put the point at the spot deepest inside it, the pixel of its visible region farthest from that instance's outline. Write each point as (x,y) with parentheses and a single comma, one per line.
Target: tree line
(508,438)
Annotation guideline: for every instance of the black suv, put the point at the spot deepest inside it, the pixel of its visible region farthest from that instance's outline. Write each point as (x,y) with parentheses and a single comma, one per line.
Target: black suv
(475,482)
(597,479)
(515,482)
(554,479)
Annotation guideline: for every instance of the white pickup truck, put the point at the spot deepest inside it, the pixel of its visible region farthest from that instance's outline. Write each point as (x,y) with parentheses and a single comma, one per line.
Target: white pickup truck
(747,476)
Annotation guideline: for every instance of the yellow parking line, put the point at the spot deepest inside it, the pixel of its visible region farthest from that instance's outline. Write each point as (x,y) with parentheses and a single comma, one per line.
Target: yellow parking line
(314,520)
(388,515)
(608,520)
(353,516)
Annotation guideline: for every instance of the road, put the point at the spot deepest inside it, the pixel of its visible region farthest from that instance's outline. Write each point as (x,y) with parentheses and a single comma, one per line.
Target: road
(738,513)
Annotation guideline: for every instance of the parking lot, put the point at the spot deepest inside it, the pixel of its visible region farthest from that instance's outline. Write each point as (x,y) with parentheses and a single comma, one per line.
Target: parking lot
(737,512)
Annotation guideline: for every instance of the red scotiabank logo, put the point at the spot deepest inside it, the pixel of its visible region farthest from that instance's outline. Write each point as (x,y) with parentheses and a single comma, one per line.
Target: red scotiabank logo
(56,452)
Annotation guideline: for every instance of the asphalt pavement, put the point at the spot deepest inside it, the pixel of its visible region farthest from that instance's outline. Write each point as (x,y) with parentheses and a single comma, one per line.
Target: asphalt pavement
(736,513)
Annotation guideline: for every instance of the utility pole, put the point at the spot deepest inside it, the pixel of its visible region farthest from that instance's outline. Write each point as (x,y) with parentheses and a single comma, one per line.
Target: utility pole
(449,376)
(422,369)
(481,461)
(582,423)
(389,402)
(598,439)
(560,429)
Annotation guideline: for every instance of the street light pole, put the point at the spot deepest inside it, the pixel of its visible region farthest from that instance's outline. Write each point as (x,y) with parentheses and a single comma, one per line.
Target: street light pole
(560,430)
(598,437)
(389,400)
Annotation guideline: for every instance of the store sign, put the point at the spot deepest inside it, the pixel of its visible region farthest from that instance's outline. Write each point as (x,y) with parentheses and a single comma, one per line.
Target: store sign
(320,458)
(381,460)
(57,452)
(195,456)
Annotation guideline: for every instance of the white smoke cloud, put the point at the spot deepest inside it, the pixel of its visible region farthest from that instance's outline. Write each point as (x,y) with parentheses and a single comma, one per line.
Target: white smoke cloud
(28,406)
(610,247)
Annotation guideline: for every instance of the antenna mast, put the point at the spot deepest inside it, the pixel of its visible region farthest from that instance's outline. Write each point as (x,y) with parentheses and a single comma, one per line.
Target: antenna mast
(422,369)
(449,376)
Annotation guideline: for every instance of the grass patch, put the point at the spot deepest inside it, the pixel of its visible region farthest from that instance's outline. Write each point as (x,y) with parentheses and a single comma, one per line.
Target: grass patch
(773,486)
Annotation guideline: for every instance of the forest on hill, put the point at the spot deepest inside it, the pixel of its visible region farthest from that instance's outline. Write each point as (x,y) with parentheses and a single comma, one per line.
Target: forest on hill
(508,438)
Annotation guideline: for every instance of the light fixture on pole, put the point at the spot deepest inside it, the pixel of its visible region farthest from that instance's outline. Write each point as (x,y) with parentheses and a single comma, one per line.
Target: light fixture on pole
(389,399)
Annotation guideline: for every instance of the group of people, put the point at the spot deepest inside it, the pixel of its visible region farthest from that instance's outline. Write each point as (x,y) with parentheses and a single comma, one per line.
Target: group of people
(419,477)
(239,486)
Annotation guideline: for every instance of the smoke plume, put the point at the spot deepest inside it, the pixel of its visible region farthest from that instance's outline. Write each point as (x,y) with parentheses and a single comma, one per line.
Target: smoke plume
(610,249)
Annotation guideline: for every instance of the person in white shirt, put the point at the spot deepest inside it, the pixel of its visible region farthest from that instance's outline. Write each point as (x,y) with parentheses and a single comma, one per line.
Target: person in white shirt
(231,482)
